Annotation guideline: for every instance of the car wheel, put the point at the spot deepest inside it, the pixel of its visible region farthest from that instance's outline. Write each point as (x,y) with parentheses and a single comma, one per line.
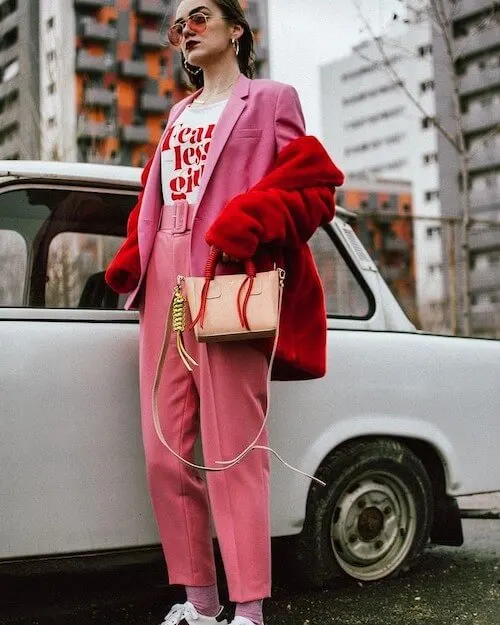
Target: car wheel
(372,519)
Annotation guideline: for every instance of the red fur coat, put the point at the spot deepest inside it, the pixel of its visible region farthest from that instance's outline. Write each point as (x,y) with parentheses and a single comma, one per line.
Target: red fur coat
(272,222)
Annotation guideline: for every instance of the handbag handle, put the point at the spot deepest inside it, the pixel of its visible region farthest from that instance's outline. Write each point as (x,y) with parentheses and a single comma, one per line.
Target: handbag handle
(215,257)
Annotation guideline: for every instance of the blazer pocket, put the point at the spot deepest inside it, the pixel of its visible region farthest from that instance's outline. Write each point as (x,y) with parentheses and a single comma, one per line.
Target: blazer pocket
(247,133)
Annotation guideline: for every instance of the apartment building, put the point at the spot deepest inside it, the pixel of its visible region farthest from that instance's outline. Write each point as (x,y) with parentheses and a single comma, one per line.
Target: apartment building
(107,79)
(476,45)
(19,85)
(375,131)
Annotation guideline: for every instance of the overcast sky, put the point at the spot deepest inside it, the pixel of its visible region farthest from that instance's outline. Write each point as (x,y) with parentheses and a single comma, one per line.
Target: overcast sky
(304,34)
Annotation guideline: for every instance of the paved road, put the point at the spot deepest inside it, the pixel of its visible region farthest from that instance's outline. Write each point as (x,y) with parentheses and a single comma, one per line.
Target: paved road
(449,587)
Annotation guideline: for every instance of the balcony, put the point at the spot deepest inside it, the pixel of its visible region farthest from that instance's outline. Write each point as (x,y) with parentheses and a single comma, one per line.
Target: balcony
(149,39)
(485,278)
(486,158)
(150,8)
(487,321)
(151,103)
(135,134)
(394,245)
(8,87)
(96,130)
(484,240)
(393,273)
(134,69)
(9,117)
(93,4)
(480,42)
(485,200)
(9,148)
(466,8)
(85,62)
(99,96)
(92,30)
(479,120)
(479,81)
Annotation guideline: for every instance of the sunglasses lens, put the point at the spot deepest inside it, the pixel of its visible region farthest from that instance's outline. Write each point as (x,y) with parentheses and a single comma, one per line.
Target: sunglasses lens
(198,23)
(175,35)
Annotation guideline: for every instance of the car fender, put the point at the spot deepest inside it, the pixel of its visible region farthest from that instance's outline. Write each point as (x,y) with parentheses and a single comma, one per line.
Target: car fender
(361,426)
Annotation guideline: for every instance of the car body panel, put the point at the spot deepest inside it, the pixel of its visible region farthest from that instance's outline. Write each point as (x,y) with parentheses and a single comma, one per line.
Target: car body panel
(73,475)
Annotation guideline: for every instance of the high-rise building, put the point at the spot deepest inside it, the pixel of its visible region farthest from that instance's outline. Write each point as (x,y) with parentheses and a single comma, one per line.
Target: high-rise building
(375,131)
(476,47)
(19,87)
(107,80)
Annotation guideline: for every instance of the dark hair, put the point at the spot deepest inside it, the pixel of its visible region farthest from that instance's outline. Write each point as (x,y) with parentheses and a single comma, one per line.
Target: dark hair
(233,13)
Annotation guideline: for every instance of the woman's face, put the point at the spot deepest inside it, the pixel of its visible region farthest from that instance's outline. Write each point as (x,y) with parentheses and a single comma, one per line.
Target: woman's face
(207,47)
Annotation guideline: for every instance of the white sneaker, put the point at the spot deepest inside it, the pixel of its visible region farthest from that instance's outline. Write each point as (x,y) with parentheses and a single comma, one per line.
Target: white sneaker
(186,614)
(241,620)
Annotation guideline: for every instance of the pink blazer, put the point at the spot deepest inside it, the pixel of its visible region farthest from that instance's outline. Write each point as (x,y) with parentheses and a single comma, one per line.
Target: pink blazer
(260,119)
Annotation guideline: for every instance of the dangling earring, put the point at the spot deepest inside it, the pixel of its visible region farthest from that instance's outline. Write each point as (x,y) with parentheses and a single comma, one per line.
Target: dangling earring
(193,72)
(236,45)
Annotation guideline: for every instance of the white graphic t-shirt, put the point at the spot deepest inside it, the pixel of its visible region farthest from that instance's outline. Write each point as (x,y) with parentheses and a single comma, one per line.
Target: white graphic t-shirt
(185,149)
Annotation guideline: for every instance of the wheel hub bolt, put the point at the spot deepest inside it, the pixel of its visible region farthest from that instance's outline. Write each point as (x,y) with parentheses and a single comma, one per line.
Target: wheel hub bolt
(379,544)
(387,510)
(353,538)
(361,503)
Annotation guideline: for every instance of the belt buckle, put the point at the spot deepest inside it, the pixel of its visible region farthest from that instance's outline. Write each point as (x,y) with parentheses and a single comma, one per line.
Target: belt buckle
(180,218)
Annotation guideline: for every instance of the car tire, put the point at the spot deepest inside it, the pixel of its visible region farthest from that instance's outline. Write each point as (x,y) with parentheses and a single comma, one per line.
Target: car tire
(373,517)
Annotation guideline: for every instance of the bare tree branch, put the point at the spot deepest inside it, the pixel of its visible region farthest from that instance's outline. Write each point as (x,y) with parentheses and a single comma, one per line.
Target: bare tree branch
(388,64)
(484,138)
(488,20)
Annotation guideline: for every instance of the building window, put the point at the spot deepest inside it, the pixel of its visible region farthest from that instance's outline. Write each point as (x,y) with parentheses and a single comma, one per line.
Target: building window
(430,158)
(432,231)
(51,55)
(427,122)
(51,122)
(50,23)
(427,85)
(431,195)
(51,88)
(425,50)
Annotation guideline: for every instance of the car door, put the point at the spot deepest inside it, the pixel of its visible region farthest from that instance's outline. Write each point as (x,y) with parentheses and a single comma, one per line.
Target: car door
(72,461)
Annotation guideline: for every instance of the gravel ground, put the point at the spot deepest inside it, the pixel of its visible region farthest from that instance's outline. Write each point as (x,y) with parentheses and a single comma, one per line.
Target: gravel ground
(449,586)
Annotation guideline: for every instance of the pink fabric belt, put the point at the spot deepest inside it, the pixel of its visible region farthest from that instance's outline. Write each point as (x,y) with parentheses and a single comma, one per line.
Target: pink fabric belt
(177,218)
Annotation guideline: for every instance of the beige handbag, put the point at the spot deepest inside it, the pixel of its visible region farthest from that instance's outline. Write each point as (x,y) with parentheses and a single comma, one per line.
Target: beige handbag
(234,307)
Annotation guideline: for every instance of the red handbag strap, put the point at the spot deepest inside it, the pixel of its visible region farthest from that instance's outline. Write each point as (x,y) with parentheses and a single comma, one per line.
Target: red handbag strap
(214,257)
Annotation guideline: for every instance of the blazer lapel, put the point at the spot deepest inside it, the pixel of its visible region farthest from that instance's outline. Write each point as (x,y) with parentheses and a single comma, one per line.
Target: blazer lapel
(229,117)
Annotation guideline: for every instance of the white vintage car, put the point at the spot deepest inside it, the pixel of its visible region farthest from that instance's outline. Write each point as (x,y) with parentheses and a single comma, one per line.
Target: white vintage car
(402,424)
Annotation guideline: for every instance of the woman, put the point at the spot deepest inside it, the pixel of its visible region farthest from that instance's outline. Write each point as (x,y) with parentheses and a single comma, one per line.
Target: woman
(233,170)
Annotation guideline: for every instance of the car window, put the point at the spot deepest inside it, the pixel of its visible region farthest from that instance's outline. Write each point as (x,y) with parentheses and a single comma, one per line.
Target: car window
(345,297)
(75,271)
(13,261)
(69,236)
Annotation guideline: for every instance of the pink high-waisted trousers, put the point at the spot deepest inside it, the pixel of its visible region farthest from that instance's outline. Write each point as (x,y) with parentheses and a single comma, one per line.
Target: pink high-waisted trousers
(224,399)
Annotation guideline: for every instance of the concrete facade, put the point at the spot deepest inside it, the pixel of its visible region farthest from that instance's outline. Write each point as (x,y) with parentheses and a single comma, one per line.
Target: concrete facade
(375,131)
(19,80)
(476,48)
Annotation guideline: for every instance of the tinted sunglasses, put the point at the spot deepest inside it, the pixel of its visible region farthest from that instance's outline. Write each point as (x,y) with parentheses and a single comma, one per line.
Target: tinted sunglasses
(196,23)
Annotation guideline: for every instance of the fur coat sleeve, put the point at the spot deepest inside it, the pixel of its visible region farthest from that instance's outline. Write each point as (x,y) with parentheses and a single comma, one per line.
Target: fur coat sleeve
(285,208)
(124,271)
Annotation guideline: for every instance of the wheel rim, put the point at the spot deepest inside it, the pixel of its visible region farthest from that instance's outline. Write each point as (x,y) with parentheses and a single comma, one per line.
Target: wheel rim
(373,525)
